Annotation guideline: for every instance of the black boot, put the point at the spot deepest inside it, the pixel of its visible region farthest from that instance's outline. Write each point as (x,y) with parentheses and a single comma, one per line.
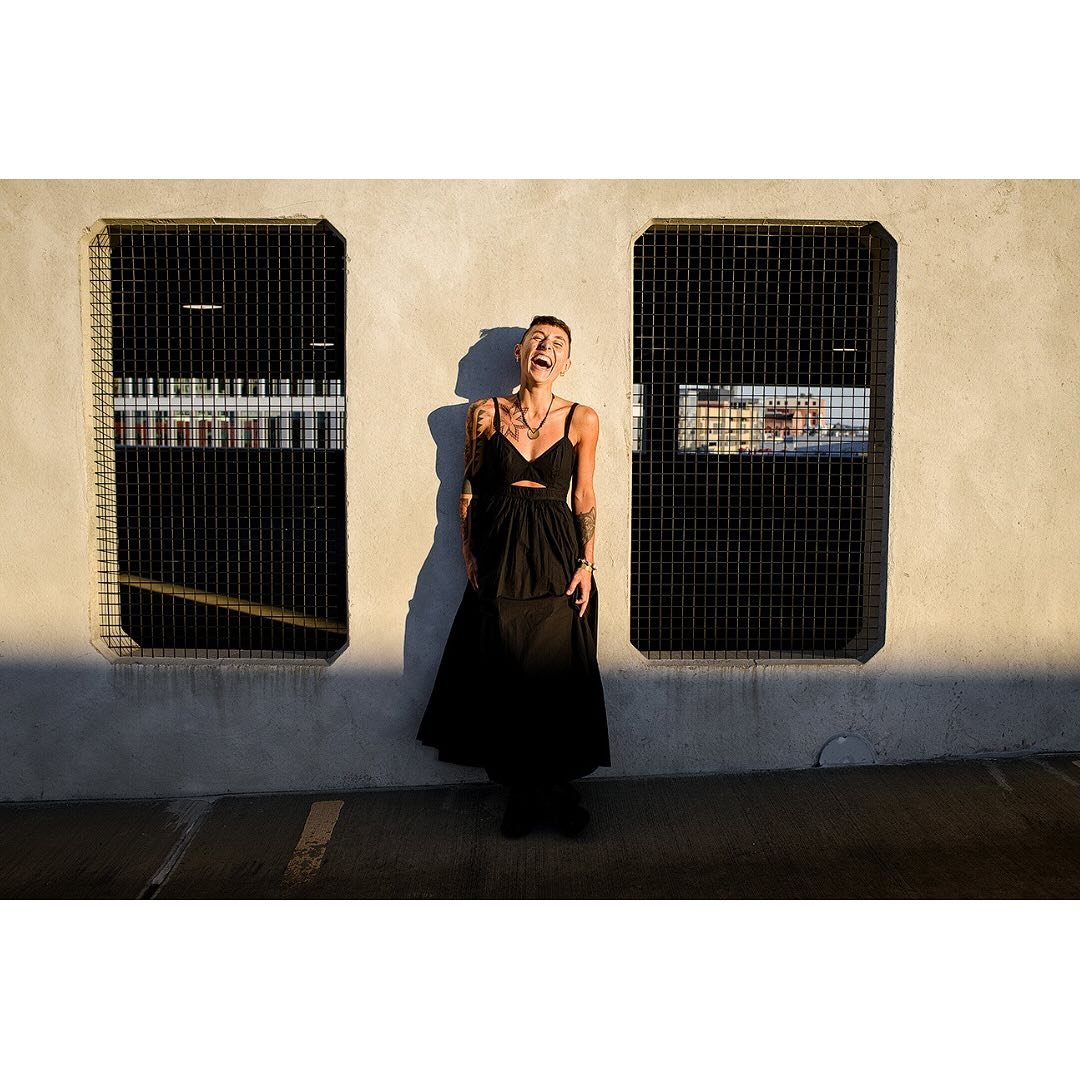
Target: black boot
(570,816)
(521,811)
(566,791)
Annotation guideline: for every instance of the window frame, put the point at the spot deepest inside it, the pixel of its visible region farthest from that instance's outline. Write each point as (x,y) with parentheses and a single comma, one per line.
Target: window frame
(107,634)
(879,455)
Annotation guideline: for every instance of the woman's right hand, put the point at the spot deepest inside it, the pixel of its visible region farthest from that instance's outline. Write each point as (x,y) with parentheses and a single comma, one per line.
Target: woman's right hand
(471,569)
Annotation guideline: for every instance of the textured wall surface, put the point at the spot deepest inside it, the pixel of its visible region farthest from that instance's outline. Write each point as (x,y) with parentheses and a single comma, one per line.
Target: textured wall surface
(982,650)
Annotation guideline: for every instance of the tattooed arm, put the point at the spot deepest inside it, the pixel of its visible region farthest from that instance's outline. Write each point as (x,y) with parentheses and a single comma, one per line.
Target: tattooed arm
(476,423)
(583,498)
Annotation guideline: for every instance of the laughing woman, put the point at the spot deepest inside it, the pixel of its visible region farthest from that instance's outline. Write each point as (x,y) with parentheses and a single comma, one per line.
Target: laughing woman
(518,690)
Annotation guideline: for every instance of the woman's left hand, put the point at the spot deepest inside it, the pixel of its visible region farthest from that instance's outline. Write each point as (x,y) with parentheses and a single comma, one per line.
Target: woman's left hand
(581,580)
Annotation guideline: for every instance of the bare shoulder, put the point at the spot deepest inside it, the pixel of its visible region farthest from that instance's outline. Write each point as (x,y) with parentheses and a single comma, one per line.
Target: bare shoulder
(585,423)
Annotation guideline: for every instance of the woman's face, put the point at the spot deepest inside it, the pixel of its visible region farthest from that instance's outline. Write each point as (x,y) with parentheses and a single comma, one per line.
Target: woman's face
(544,354)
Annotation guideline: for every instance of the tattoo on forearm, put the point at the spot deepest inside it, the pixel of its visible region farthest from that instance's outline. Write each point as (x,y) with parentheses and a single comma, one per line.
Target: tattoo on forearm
(463,513)
(586,524)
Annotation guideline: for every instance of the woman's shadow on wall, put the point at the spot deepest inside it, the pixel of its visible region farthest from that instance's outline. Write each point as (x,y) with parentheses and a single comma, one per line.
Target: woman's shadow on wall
(488,369)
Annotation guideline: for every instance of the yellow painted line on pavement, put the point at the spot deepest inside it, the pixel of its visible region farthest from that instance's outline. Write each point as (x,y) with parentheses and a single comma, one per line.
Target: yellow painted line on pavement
(310,849)
(231,603)
(998,775)
(1053,770)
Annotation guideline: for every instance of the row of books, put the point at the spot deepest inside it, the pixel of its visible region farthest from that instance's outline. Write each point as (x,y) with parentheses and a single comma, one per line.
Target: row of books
(162,386)
(226,430)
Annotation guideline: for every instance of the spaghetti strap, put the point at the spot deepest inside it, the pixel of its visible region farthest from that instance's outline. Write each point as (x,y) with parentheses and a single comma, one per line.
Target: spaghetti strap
(569,417)
(495,404)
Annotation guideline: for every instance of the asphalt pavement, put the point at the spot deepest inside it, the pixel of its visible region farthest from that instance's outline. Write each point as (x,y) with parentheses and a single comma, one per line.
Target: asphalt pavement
(971,829)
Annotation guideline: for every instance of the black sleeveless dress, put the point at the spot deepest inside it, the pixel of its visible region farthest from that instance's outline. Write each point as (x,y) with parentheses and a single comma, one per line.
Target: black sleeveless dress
(518,689)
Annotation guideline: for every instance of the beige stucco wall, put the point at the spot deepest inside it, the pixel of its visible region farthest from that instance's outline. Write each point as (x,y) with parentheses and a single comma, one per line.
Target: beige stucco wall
(982,639)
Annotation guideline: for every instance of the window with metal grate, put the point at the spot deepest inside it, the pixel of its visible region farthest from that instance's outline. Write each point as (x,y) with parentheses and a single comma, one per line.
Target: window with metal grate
(760,417)
(218,367)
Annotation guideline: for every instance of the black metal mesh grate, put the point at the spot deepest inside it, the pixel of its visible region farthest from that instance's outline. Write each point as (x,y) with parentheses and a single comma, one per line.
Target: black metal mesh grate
(760,423)
(218,353)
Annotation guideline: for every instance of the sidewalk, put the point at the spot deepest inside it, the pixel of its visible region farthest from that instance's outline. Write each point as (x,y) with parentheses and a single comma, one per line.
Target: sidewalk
(972,829)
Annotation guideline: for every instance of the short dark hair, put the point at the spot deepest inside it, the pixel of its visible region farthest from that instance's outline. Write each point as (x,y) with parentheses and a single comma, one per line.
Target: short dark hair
(548,320)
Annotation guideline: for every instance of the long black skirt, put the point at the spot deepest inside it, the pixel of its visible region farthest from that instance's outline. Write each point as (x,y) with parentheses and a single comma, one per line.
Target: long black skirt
(518,690)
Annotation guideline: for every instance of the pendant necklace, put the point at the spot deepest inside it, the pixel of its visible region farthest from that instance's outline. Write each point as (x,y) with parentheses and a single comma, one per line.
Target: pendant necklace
(534,433)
